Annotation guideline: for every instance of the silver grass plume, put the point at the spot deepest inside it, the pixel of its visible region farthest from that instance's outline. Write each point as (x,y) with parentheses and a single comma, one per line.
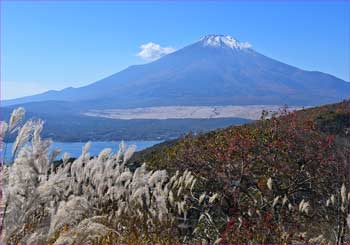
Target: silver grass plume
(23,136)
(3,129)
(16,117)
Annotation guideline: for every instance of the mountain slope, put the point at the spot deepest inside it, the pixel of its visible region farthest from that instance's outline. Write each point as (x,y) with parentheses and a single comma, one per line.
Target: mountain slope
(216,70)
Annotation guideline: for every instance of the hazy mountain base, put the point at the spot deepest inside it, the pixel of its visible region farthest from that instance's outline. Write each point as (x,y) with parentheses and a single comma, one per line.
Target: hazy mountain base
(84,128)
(152,123)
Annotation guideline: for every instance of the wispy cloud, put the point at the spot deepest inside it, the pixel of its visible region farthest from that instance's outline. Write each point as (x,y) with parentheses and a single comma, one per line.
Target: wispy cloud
(153,51)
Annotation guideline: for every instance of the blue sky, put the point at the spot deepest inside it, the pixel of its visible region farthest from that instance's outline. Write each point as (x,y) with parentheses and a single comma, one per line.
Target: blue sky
(53,45)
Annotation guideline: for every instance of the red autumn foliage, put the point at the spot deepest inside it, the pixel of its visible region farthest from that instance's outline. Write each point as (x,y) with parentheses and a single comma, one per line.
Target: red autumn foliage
(305,153)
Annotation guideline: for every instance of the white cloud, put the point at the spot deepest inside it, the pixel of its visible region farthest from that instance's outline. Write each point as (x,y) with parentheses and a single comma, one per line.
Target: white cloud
(152,51)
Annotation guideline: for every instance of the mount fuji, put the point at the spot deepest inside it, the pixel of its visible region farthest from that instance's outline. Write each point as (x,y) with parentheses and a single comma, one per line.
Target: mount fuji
(216,70)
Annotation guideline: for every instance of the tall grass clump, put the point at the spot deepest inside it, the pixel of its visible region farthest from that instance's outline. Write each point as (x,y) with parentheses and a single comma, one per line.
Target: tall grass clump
(98,199)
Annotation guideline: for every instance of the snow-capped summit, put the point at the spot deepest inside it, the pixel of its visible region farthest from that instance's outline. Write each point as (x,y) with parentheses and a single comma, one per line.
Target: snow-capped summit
(223,41)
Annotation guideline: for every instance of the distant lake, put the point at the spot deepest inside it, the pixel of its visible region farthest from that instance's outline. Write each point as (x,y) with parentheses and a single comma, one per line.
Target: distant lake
(75,148)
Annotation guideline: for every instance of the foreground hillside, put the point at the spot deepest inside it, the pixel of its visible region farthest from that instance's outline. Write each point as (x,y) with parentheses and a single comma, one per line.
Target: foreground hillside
(279,180)
(304,158)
